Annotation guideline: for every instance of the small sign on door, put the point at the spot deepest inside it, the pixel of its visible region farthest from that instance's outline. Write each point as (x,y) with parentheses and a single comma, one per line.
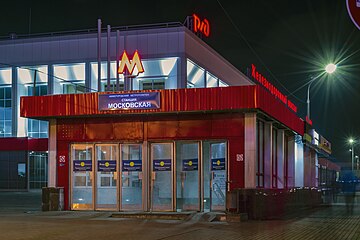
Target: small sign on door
(239,157)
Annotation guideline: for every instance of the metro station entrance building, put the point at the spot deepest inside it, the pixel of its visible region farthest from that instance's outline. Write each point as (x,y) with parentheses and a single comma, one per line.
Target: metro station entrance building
(186,130)
(187,154)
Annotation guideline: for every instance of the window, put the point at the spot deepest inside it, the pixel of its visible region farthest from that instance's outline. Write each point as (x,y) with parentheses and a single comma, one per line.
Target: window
(223,84)
(40,90)
(5,112)
(274,159)
(37,128)
(195,75)
(38,169)
(260,154)
(211,80)
(286,161)
(153,84)
(159,74)
(69,78)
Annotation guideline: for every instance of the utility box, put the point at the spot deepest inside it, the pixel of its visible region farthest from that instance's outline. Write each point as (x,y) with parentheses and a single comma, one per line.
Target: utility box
(52,199)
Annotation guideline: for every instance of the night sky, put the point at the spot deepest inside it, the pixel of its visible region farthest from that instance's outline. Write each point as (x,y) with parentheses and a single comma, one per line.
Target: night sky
(288,41)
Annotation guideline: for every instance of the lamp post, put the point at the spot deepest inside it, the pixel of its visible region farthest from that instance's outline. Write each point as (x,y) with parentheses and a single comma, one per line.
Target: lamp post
(330,68)
(352,142)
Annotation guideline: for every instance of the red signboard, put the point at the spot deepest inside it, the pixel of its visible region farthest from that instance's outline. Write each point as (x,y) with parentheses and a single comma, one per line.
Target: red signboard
(273,90)
(353,7)
(202,26)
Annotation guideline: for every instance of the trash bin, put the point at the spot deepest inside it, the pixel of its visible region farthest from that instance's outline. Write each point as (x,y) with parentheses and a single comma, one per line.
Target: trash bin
(52,199)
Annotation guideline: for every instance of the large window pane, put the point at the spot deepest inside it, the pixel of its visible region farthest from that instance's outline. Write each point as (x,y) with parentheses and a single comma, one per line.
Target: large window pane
(158,74)
(69,78)
(106,165)
(82,176)
(5,111)
(195,75)
(211,80)
(5,76)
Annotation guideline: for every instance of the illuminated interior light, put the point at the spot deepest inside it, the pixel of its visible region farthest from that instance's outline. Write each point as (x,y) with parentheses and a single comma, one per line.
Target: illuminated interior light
(167,65)
(5,76)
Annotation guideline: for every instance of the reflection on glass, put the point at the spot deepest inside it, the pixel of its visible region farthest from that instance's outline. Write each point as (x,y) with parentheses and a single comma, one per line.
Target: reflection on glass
(5,111)
(159,74)
(187,176)
(195,75)
(106,186)
(131,155)
(211,80)
(218,193)
(21,169)
(81,155)
(70,78)
(161,162)
(38,169)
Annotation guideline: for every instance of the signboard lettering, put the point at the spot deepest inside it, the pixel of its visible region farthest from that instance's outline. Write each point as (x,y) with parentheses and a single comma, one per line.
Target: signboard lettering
(162,165)
(217,164)
(190,164)
(82,165)
(149,100)
(325,145)
(107,166)
(272,89)
(132,165)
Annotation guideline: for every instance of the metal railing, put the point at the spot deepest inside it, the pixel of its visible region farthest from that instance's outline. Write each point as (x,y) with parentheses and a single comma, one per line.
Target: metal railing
(92,30)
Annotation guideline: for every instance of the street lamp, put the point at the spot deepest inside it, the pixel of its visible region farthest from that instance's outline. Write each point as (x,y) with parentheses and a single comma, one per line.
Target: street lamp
(330,68)
(352,143)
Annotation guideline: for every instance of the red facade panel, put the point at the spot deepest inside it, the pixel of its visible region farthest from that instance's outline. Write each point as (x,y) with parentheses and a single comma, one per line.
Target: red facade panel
(23,144)
(229,126)
(237,98)
(236,162)
(63,178)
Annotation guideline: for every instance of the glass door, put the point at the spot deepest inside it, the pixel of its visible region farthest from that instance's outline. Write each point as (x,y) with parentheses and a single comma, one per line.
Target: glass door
(106,176)
(187,176)
(81,177)
(161,193)
(131,177)
(215,175)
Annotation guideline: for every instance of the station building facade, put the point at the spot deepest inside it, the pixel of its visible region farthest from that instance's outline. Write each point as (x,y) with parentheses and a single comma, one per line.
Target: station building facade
(212,130)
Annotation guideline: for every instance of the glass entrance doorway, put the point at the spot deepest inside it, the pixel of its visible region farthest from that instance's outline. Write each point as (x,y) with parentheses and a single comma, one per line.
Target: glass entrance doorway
(131,177)
(167,176)
(82,176)
(215,169)
(106,193)
(187,176)
(161,161)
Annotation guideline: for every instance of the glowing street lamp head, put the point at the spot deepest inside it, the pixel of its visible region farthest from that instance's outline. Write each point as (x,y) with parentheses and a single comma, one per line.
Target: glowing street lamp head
(330,68)
(351,140)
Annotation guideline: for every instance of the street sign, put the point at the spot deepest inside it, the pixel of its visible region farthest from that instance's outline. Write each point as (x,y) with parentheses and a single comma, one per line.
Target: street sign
(353,7)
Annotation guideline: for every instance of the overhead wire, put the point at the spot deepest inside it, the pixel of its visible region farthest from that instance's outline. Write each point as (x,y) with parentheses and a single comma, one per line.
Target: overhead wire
(255,53)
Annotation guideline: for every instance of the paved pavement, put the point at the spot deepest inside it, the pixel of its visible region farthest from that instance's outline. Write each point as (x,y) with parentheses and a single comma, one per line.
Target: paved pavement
(21,218)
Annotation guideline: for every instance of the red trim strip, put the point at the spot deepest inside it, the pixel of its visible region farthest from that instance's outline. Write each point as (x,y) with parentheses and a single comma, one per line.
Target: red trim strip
(225,99)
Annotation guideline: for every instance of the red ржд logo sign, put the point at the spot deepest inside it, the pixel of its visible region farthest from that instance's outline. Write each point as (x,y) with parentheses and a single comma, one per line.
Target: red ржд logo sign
(353,7)
(202,26)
